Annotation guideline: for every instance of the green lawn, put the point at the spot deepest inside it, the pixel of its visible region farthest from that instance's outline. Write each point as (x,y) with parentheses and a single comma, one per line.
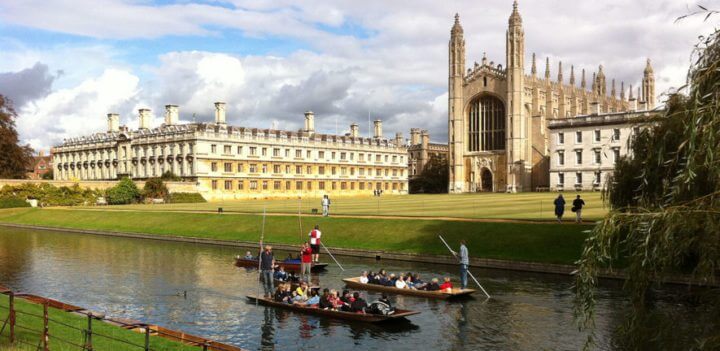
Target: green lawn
(499,206)
(549,243)
(60,327)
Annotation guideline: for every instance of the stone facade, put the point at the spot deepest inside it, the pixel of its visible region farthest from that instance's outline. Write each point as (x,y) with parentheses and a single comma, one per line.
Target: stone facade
(498,115)
(421,150)
(584,149)
(228,162)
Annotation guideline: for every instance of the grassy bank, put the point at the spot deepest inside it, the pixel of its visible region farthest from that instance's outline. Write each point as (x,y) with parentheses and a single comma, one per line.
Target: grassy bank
(547,243)
(61,328)
(491,205)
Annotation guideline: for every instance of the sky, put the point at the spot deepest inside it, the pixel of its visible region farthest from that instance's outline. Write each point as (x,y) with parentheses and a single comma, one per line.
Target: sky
(66,64)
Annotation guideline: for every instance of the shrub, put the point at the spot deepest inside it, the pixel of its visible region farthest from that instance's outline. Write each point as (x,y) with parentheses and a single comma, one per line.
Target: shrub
(169,176)
(50,195)
(155,188)
(125,192)
(10,202)
(179,198)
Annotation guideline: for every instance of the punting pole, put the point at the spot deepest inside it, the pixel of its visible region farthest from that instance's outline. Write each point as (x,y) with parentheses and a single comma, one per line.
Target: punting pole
(331,255)
(300,218)
(262,236)
(470,274)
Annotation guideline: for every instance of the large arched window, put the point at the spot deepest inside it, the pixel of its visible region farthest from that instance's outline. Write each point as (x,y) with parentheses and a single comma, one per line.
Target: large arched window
(486,124)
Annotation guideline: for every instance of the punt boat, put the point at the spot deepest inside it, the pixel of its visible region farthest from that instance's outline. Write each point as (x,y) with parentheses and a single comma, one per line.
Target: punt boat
(355,283)
(349,316)
(292,266)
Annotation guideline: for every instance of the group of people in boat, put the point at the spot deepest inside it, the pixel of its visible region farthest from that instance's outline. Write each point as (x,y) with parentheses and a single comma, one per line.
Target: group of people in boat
(330,299)
(407,280)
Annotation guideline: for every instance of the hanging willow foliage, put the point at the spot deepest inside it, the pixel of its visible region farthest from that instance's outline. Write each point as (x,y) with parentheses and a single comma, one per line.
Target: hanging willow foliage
(665,215)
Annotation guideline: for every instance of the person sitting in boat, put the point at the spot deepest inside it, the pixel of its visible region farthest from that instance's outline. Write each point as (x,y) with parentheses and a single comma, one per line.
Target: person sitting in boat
(400,282)
(248,256)
(381,306)
(325,300)
(346,301)
(358,305)
(364,277)
(409,281)
(281,294)
(433,285)
(446,285)
(391,280)
(417,282)
(334,300)
(311,302)
(281,275)
(303,290)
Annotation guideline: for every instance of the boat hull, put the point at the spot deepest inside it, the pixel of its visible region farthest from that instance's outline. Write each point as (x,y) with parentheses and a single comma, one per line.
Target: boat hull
(355,283)
(289,267)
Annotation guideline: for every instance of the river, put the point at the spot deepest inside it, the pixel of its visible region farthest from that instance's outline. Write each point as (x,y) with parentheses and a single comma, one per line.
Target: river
(145,280)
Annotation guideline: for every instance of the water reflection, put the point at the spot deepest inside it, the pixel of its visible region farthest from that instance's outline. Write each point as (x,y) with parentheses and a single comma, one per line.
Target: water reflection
(145,280)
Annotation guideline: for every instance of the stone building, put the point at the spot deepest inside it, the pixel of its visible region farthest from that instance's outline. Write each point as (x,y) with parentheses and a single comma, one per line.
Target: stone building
(421,150)
(584,149)
(39,166)
(498,115)
(237,162)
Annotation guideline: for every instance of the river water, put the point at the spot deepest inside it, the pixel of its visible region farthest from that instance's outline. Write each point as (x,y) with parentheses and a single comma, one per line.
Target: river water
(145,280)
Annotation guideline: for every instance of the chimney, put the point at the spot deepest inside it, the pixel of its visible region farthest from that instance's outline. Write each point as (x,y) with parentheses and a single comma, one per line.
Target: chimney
(144,114)
(171,115)
(399,141)
(113,122)
(414,136)
(354,130)
(378,129)
(425,138)
(220,112)
(309,122)
(595,108)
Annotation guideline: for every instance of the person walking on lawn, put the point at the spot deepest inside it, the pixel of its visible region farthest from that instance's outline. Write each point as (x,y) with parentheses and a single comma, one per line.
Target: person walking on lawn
(559,207)
(464,263)
(267,264)
(578,204)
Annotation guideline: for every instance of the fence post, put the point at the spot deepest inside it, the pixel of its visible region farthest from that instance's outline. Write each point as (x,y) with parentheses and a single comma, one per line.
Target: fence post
(12,317)
(46,334)
(88,344)
(147,337)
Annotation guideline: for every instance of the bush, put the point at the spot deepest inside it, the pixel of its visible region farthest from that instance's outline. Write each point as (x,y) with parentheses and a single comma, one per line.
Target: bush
(50,195)
(13,203)
(125,192)
(155,188)
(169,176)
(186,198)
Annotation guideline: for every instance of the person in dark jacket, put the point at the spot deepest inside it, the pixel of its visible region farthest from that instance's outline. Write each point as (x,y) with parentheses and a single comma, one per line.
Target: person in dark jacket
(358,305)
(578,204)
(559,207)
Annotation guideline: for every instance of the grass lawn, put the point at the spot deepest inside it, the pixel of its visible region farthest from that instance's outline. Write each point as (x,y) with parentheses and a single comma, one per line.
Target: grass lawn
(548,243)
(491,205)
(59,329)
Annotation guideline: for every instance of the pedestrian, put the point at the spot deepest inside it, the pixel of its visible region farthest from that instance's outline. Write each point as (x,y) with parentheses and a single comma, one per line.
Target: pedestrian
(559,207)
(578,204)
(315,235)
(464,263)
(267,264)
(306,262)
(325,202)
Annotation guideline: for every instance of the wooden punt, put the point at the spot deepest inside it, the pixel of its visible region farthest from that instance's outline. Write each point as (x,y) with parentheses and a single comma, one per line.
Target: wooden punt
(355,283)
(349,316)
(289,266)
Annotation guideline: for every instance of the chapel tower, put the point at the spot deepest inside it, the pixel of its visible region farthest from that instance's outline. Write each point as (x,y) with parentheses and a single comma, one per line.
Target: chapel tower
(455,106)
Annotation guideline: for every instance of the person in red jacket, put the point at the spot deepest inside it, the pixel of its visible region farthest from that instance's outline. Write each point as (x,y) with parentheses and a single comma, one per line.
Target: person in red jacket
(305,262)
(446,286)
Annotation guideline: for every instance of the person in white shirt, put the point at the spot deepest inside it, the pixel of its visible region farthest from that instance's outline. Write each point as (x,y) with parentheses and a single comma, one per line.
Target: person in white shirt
(364,277)
(325,202)
(315,235)
(400,283)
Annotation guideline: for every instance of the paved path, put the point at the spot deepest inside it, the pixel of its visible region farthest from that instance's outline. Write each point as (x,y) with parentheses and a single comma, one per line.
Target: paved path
(288,214)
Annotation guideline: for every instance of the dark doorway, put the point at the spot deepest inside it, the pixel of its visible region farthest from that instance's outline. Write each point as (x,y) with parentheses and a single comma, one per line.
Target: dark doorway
(487,180)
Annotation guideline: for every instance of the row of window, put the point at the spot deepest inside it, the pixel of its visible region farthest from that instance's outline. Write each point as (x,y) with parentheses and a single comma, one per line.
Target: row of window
(304,185)
(597,156)
(334,155)
(596,136)
(229,167)
(597,178)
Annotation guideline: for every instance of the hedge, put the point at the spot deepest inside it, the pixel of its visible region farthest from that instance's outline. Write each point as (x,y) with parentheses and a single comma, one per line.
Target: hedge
(180,198)
(50,195)
(13,203)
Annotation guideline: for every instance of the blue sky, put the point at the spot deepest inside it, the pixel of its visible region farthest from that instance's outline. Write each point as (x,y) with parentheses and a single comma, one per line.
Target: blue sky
(69,63)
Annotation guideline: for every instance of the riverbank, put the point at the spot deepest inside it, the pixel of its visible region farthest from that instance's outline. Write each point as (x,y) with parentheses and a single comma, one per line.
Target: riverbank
(506,241)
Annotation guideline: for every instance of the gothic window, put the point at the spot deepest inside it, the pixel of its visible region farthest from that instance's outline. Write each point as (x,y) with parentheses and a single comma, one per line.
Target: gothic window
(486,122)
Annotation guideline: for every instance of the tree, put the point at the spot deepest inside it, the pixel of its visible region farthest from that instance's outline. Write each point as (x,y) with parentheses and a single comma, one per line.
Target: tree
(665,214)
(434,177)
(169,176)
(156,189)
(14,158)
(48,175)
(124,192)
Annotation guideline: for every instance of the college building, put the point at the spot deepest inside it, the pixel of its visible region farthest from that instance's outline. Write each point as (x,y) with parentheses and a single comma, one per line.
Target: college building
(421,151)
(498,115)
(228,162)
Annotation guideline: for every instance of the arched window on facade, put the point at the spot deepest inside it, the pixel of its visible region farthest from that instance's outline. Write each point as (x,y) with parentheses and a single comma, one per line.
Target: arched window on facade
(486,124)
